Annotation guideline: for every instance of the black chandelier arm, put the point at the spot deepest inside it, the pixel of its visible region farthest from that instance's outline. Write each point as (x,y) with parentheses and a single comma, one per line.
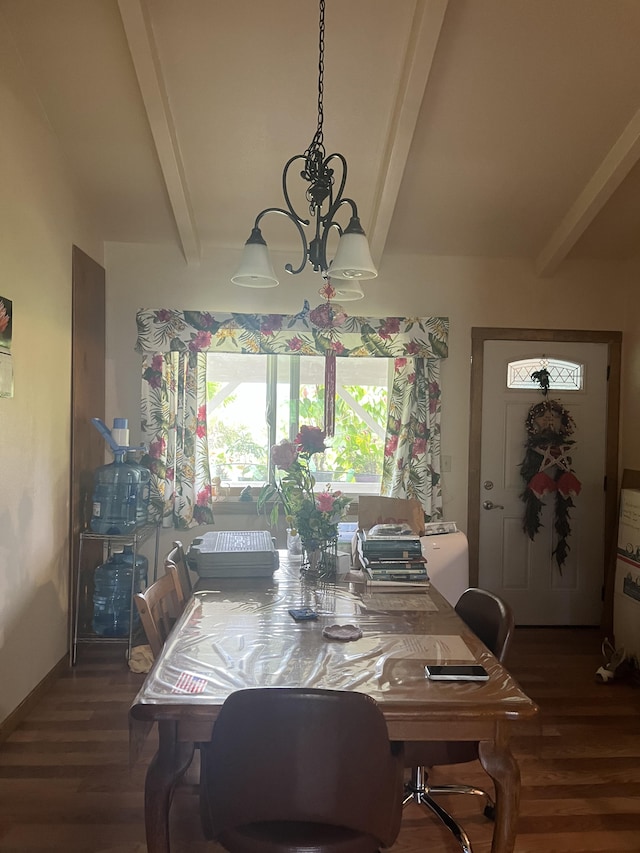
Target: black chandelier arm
(339,202)
(335,203)
(292,217)
(285,191)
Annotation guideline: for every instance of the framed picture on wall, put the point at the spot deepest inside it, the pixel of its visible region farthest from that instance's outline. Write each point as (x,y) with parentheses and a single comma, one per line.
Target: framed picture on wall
(6,332)
(6,323)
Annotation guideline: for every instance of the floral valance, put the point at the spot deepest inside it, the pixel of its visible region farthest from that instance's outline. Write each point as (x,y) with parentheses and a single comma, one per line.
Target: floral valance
(324,330)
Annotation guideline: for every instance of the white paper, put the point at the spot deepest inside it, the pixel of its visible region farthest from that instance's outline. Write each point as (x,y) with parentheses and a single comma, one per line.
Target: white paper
(397,601)
(434,648)
(6,375)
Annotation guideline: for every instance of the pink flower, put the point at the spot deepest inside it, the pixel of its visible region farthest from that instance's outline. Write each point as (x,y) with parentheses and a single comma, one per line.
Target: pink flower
(200,341)
(400,363)
(156,363)
(163,316)
(419,447)
(4,318)
(295,344)
(284,454)
(201,422)
(391,326)
(541,484)
(157,448)
(310,440)
(325,501)
(204,495)
(568,485)
(391,445)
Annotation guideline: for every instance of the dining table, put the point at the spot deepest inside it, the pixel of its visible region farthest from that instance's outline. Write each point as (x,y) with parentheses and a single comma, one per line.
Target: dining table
(237,634)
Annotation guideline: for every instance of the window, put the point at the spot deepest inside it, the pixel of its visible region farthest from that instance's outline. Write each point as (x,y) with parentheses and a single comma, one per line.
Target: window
(563,375)
(254,401)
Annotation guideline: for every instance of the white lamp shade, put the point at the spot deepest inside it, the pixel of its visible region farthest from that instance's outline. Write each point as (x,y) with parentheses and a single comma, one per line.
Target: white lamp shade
(348,290)
(353,258)
(255,268)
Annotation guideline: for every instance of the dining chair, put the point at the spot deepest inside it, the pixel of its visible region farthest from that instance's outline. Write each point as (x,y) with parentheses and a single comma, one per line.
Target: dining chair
(159,606)
(491,620)
(177,557)
(290,769)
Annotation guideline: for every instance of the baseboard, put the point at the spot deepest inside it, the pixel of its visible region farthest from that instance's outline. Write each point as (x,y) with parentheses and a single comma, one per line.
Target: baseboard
(26,706)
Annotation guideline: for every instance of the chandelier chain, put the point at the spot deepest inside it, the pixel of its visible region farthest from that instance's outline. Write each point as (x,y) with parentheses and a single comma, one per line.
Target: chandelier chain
(319,131)
(325,196)
(315,171)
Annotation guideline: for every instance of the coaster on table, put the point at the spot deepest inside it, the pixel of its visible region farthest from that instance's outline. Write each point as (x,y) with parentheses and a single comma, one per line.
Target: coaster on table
(342,632)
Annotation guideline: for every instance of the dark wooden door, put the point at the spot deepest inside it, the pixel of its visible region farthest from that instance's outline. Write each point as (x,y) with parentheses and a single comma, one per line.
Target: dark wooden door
(87,401)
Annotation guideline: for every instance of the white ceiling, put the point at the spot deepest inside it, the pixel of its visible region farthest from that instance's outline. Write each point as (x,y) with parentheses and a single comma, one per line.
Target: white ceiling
(498,128)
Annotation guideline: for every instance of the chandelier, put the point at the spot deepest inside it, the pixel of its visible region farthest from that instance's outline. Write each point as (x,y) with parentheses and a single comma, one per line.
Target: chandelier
(352,261)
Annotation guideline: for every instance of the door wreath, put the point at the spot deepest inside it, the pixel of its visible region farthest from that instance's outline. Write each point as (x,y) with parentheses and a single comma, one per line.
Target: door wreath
(547,467)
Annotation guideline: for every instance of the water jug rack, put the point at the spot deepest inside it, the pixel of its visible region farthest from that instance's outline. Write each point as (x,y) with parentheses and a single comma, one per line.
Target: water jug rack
(135,539)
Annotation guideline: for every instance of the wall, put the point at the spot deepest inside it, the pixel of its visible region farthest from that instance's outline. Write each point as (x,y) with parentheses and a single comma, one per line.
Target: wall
(40,220)
(630,398)
(471,292)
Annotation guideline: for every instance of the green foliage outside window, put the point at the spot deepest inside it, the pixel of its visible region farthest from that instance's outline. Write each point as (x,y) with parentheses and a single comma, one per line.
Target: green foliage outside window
(238,451)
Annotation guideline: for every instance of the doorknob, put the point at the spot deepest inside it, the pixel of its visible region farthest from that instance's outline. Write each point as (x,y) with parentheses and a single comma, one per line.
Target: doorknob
(491,505)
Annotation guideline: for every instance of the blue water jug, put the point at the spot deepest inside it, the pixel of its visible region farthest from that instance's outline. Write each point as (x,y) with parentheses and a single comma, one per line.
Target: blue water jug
(142,566)
(115,497)
(144,491)
(112,595)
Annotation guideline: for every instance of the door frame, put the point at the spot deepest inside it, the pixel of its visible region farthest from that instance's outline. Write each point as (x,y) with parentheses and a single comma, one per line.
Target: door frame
(614,343)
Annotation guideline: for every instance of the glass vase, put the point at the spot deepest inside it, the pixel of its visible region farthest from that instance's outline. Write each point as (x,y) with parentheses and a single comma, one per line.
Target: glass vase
(320,559)
(294,544)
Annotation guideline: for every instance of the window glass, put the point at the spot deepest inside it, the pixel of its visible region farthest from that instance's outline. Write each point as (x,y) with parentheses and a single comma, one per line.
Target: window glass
(563,375)
(239,387)
(236,423)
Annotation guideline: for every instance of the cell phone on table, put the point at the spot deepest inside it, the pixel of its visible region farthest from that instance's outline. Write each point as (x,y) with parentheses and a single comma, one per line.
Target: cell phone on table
(456,672)
(303,614)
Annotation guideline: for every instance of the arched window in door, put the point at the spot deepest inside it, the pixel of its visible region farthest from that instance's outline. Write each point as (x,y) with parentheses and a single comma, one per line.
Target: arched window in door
(563,375)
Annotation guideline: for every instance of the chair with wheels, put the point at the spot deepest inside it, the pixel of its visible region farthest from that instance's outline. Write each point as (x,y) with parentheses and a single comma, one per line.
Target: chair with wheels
(159,606)
(491,619)
(334,779)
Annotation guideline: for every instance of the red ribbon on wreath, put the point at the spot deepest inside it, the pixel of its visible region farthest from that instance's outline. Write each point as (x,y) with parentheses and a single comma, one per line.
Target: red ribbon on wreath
(547,468)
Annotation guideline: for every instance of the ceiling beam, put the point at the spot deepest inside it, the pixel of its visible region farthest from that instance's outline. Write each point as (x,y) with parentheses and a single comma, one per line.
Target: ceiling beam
(144,53)
(421,47)
(617,164)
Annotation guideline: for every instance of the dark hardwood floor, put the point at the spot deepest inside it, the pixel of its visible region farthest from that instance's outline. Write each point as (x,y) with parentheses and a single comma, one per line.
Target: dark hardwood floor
(66,785)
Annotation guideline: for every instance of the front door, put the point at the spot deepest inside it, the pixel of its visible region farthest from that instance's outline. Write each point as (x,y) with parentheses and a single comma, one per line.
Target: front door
(524,571)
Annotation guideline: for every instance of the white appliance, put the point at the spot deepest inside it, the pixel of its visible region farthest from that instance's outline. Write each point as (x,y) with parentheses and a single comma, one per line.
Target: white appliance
(626,600)
(447,556)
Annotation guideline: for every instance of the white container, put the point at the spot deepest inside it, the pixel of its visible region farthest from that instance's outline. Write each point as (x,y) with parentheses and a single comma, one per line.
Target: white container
(447,563)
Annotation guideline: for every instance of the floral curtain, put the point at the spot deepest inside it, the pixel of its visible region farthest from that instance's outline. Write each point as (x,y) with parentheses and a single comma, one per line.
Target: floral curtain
(174,421)
(310,332)
(412,442)
(174,428)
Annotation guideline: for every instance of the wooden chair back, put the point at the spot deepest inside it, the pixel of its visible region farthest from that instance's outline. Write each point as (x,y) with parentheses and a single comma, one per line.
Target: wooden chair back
(159,606)
(177,558)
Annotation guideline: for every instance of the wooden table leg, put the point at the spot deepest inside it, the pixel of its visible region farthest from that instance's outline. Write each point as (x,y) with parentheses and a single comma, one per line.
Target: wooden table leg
(497,760)
(168,764)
